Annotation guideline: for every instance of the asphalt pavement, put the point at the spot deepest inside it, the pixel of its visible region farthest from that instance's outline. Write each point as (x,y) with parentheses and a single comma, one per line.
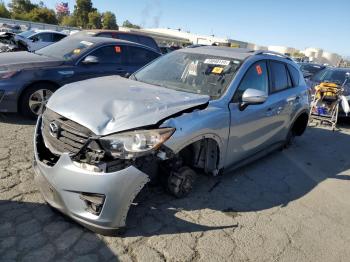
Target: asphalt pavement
(293,205)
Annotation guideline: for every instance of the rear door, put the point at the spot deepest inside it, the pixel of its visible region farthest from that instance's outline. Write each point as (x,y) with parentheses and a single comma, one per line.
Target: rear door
(255,127)
(138,57)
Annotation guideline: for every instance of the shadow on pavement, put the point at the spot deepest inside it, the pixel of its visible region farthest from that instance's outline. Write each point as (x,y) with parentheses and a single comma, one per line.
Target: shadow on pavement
(14,118)
(275,180)
(34,232)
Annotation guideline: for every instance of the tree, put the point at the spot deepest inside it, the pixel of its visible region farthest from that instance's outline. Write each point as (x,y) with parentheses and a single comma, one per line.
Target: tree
(81,12)
(69,20)
(42,15)
(94,20)
(109,21)
(21,7)
(128,24)
(3,11)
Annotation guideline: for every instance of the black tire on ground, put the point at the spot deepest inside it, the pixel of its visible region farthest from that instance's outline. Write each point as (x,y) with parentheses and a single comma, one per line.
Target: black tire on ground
(180,182)
(23,103)
(290,138)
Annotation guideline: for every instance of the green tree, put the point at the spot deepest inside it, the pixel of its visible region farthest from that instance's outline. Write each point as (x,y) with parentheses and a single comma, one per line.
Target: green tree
(42,15)
(109,21)
(128,24)
(21,7)
(94,20)
(81,12)
(3,11)
(68,20)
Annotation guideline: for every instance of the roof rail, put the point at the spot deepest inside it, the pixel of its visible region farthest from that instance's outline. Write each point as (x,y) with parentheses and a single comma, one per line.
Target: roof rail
(265,52)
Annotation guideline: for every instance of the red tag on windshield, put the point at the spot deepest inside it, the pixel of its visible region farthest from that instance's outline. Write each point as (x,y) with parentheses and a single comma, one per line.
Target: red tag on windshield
(258,69)
(117,49)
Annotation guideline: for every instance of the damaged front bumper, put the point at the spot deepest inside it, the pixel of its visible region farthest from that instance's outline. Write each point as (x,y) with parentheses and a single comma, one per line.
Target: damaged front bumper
(65,187)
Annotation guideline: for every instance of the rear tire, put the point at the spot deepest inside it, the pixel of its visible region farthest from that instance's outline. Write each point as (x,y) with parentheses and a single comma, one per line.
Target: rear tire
(34,98)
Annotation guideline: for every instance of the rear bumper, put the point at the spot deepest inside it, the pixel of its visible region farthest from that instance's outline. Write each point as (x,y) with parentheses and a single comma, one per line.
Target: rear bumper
(62,184)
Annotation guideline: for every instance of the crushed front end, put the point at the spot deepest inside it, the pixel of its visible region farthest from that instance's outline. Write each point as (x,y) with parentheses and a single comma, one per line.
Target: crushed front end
(78,177)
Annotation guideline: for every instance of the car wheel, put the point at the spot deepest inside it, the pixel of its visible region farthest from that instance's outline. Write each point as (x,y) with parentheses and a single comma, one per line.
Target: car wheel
(34,99)
(180,182)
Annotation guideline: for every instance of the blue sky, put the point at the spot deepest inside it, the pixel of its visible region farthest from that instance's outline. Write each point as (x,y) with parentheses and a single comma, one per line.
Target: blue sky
(295,23)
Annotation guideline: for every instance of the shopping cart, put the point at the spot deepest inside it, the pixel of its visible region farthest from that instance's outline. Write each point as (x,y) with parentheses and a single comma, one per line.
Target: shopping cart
(324,107)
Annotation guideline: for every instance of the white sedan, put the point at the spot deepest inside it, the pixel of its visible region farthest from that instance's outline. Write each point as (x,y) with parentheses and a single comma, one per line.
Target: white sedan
(37,39)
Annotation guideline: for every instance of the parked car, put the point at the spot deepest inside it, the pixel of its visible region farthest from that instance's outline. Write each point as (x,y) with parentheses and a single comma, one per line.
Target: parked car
(27,80)
(36,39)
(209,109)
(310,69)
(331,75)
(128,36)
(165,49)
(8,43)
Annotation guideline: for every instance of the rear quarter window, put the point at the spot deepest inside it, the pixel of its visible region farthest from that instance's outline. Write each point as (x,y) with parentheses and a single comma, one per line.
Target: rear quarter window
(148,42)
(294,73)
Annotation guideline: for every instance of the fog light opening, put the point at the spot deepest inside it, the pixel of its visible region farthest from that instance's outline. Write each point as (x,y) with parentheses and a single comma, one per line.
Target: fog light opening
(93,202)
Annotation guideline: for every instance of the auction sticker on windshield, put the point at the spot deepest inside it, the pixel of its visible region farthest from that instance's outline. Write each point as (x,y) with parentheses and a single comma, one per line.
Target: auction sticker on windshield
(86,43)
(216,62)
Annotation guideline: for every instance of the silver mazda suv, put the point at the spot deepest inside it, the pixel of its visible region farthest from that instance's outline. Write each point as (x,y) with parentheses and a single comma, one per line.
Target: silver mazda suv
(196,110)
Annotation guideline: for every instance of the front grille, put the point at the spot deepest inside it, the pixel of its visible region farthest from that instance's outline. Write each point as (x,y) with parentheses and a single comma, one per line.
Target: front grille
(62,135)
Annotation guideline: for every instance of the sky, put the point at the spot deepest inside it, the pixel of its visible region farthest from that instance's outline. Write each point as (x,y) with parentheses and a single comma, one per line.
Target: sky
(293,23)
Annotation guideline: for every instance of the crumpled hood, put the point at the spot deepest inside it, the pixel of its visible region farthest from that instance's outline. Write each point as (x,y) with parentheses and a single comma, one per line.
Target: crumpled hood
(112,104)
(24,60)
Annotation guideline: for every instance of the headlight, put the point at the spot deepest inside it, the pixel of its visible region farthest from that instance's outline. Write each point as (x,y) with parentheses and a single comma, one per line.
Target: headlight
(135,143)
(7,74)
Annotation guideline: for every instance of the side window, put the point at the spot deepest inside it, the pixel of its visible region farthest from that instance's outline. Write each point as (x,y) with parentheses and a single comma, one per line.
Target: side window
(110,54)
(44,37)
(127,37)
(148,42)
(294,74)
(256,77)
(140,56)
(57,37)
(280,77)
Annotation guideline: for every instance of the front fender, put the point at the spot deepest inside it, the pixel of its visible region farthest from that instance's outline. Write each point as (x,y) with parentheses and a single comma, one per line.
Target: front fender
(212,122)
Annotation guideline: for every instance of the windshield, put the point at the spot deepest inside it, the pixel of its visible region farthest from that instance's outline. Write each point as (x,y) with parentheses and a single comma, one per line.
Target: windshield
(27,34)
(66,49)
(189,72)
(331,75)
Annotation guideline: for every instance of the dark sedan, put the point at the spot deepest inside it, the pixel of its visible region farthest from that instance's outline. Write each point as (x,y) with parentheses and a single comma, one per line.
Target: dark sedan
(27,80)
(310,69)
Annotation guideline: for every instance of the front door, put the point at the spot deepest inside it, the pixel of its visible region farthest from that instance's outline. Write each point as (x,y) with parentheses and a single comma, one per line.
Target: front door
(111,61)
(255,127)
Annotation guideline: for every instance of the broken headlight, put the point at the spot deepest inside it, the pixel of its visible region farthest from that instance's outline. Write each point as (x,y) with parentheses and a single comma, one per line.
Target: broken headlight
(136,143)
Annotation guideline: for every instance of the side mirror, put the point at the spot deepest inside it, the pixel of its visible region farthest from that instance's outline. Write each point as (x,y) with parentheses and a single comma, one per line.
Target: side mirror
(347,75)
(90,60)
(34,39)
(253,97)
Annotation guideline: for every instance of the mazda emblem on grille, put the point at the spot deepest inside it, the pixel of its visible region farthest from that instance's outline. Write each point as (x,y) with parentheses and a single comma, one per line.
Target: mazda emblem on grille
(54,129)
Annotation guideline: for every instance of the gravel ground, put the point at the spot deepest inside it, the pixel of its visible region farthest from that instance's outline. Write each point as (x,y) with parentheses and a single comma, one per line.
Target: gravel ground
(290,206)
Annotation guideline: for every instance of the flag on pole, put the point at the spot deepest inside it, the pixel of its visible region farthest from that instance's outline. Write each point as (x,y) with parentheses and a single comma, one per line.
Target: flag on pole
(62,8)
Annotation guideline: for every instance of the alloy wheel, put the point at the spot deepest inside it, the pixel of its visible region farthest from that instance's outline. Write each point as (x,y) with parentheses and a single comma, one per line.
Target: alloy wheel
(38,100)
